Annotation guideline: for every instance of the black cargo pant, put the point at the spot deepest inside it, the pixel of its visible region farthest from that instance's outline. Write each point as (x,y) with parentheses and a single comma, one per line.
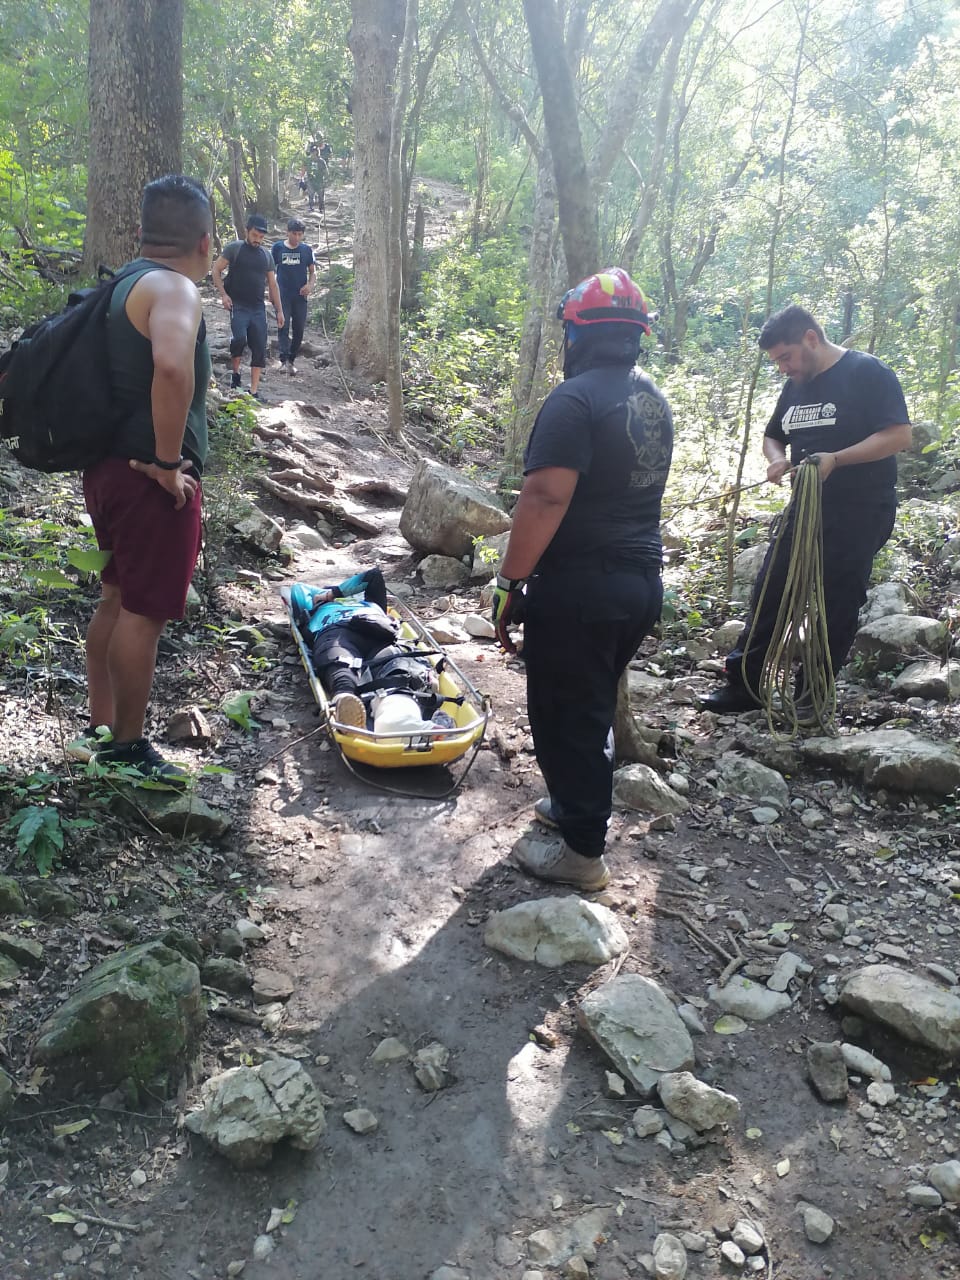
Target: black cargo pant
(581,628)
(852,536)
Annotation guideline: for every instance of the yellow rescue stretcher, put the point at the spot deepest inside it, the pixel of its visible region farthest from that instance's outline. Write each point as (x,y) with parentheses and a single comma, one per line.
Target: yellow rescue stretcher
(440,745)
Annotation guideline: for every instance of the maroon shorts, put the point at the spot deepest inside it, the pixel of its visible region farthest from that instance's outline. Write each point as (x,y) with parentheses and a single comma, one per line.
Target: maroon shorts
(155,547)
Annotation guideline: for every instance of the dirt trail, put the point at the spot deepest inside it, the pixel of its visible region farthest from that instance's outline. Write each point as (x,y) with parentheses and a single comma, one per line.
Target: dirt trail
(376,906)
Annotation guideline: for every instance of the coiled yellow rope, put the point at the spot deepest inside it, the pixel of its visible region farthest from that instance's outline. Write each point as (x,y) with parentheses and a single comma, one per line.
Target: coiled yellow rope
(799,638)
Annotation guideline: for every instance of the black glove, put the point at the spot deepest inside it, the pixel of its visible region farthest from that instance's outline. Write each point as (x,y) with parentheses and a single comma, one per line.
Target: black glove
(506,608)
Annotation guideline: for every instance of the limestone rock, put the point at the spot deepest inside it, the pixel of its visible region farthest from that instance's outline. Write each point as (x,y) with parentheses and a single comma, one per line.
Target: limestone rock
(923,1197)
(258,529)
(247,1110)
(555,931)
(746,566)
(309,538)
(488,556)
(12,901)
(22,951)
(647,1121)
(817,1224)
(749,1000)
(638,786)
(638,1029)
(552,1247)
(179,814)
(863,1063)
(884,600)
(945,1178)
(48,899)
(445,632)
(727,634)
(696,1103)
(479,627)
(226,975)
(390,1049)
(430,1066)
(669,1257)
(916,1008)
(361,1120)
(741,776)
(189,725)
(136,1016)
(881,644)
(445,511)
(931,679)
(747,1237)
(439,572)
(828,1071)
(270,985)
(893,758)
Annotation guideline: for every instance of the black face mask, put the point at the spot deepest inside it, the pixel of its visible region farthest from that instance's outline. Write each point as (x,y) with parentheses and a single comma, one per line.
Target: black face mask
(608,342)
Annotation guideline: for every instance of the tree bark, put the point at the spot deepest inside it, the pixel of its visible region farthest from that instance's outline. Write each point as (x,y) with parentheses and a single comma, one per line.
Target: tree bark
(135,90)
(374,41)
(577,207)
(397,217)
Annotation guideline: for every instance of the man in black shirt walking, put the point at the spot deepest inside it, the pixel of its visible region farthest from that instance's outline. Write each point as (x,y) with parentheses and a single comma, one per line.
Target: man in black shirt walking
(847,408)
(586,536)
(296,270)
(249,267)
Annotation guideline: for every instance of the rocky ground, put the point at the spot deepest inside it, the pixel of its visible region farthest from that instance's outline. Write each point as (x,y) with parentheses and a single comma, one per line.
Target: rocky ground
(459,1065)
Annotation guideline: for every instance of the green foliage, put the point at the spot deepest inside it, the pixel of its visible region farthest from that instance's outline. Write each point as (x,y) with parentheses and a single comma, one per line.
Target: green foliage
(38,835)
(228,476)
(237,708)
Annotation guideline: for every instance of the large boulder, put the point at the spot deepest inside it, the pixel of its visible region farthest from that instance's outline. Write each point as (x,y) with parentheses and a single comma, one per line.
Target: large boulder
(894,758)
(246,1111)
(882,644)
(445,511)
(136,1017)
(746,566)
(555,931)
(914,1007)
(638,1029)
(258,529)
(440,572)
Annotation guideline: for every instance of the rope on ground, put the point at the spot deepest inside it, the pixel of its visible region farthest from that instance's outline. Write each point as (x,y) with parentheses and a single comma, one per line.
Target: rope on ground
(797,687)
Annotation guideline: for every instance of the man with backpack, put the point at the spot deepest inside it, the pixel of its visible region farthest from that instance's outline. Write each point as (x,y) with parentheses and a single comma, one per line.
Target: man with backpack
(296,270)
(317,168)
(144,498)
(249,267)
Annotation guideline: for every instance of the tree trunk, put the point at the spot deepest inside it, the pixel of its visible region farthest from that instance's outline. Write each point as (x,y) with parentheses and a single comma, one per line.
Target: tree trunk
(397,212)
(374,41)
(135,89)
(577,207)
(236,186)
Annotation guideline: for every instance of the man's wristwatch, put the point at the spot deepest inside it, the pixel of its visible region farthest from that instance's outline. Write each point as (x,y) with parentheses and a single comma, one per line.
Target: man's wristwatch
(167,466)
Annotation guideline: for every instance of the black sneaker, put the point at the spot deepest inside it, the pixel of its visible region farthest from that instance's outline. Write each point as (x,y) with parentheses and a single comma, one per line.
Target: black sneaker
(729,700)
(235,381)
(142,757)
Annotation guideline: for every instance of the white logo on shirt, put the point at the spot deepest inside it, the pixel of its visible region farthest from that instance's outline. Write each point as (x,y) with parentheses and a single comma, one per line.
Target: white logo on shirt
(807,417)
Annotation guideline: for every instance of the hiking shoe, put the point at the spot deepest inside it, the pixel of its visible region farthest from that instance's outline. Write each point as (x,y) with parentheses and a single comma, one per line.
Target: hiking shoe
(143,757)
(543,811)
(554,860)
(729,700)
(86,745)
(234,381)
(292,369)
(349,710)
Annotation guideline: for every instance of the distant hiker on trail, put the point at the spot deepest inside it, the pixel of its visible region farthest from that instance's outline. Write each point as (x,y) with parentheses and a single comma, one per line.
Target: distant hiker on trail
(145,500)
(586,538)
(249,267)
(296,270)
(317,168)
(353,644)
(847,409)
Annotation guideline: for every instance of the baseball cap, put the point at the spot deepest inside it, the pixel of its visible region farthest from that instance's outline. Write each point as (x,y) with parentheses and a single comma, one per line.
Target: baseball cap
(256,222)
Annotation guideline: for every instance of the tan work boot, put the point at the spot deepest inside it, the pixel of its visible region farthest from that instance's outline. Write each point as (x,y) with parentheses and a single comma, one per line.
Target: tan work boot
(554,860)
(349,710)
(543,810)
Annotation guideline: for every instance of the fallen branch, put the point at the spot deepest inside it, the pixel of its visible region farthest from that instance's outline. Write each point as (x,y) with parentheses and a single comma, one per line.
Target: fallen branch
(695,930)
(329,506)
(110,1224)
(308,479)
(235,1014)
(269,433)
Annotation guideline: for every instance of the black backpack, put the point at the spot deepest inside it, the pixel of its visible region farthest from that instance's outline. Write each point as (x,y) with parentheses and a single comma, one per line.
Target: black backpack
(56,397)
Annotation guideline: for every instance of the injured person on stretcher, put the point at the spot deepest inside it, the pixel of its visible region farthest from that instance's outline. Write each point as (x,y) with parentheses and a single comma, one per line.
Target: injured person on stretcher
(365,670)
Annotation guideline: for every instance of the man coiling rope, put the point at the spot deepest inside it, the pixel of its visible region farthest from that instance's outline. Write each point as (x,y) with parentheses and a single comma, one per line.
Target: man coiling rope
(796,684)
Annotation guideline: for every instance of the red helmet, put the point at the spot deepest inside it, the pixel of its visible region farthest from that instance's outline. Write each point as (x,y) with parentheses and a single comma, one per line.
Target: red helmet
(609,295)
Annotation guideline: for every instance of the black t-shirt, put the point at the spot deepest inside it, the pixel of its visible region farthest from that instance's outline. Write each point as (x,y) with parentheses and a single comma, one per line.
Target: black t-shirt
(840,407)
(613,425)
(292,265)
(249,267)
